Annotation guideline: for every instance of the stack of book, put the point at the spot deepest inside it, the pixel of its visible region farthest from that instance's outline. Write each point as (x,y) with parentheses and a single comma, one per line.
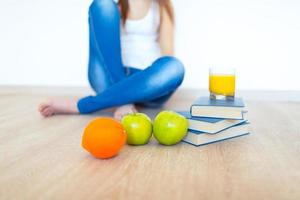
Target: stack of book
(215,120)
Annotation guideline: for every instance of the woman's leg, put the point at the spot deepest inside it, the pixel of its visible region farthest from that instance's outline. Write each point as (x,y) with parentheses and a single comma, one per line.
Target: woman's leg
(158,80)
(155,103)
(105,64)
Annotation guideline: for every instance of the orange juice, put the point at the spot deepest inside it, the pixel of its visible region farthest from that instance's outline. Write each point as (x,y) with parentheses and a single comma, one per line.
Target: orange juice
(222,84)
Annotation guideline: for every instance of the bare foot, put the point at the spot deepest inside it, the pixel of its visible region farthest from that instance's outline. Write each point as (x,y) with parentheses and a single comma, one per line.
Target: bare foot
(58,106)
(123,110)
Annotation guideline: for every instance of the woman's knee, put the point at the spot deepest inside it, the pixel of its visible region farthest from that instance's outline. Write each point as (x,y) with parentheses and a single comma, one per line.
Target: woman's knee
(171,68)
(103,7)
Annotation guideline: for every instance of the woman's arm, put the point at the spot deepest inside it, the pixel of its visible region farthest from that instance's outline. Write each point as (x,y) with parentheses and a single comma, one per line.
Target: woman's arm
(166,34)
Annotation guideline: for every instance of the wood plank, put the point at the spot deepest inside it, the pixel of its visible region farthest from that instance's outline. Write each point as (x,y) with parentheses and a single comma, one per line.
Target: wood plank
(42,158)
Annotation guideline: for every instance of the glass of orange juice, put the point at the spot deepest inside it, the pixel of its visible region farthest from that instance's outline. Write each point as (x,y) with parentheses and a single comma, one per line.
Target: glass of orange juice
(222,83)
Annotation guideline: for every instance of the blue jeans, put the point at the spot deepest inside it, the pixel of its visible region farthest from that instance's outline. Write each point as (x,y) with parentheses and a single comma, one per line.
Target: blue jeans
(115,84)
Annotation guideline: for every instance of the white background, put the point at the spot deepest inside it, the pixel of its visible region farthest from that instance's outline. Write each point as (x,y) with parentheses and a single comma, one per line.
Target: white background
(45,42)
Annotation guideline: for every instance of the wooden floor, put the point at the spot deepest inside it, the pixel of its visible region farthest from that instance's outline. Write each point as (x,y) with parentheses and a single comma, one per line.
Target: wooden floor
(42,158)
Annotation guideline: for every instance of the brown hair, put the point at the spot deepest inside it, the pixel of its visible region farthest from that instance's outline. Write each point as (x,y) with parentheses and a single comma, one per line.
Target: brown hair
(164,4)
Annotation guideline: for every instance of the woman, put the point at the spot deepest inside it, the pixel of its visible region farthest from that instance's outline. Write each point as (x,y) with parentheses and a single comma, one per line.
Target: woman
(143,72)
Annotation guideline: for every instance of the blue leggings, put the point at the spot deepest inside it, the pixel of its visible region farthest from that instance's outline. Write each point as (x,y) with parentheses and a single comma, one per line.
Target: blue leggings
(115,84)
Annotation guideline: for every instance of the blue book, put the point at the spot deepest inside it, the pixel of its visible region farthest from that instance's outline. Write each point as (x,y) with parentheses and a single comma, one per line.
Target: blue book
(209,125)
(198,138)
(225,109)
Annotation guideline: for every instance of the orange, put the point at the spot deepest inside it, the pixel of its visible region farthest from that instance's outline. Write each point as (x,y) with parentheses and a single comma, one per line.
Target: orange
(103,137)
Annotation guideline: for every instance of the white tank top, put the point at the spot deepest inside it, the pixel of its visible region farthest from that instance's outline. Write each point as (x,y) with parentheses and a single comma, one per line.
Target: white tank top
(140,47)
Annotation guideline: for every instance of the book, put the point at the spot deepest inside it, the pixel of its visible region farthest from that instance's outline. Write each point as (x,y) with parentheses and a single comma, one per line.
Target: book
(201,138)
(225,109)
(209,125)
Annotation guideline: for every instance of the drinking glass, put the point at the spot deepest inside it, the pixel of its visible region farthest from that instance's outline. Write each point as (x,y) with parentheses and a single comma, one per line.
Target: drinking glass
(222,83)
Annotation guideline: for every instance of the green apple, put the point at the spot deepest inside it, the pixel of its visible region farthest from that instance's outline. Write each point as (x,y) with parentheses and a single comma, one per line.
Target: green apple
(169,127)
(138,127)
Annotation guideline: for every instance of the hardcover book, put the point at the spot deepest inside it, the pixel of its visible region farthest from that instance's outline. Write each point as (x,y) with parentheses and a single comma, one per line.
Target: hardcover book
(209,125)
(225,109)
(198,138)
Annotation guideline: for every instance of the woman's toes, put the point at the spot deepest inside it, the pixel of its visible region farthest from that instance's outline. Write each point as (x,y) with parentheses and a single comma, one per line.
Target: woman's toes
(118,117)
(47,112)
(124,110)
(44,113)
(42,110)
(133,109)
(42,106)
